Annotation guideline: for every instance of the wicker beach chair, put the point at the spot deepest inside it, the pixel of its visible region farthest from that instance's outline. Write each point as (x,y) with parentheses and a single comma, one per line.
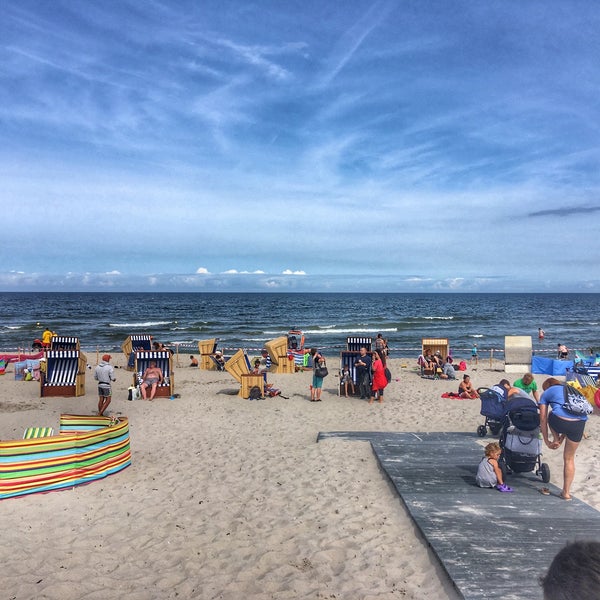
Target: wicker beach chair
(238,366)
(280,358)
(164,361)
(135,343)
(64,373)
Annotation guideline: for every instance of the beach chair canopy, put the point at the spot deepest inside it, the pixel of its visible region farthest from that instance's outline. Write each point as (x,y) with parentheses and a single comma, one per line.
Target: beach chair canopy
(354,344)
(207,346)
(277,349)
(440,345)
(61,342)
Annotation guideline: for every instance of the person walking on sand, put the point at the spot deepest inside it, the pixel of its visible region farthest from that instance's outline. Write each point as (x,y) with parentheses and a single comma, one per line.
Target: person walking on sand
(474,357)
(104,374)
(151,378)
(564,426)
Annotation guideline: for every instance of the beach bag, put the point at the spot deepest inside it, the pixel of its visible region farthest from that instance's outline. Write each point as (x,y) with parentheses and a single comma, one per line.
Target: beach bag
(321,369)
(134,393)
(388,374)
(321,372)
(255,393)
(523,442)
(575,402)
(462,366)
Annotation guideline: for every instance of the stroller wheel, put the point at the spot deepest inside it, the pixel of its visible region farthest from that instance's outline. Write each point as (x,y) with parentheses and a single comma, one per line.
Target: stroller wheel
(545,472)
(481,430)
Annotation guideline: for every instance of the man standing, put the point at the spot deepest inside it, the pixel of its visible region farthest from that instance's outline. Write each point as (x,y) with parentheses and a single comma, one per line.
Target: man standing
(363,374)
(104,374)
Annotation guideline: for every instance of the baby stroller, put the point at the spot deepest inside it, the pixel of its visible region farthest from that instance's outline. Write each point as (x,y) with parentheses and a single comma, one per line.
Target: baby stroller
(493,408)
(520,439)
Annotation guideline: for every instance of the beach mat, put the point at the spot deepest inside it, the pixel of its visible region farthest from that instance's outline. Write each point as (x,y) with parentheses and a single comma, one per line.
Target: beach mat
(492,545)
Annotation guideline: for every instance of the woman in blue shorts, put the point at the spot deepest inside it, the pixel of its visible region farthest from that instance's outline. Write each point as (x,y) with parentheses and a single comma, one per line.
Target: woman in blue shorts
(564,426)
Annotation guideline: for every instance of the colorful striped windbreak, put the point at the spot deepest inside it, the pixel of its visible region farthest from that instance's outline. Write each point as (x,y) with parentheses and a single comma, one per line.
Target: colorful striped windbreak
(87,448)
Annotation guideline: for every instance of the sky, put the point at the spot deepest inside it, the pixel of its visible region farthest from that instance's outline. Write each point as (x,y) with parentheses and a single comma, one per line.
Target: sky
(300,146)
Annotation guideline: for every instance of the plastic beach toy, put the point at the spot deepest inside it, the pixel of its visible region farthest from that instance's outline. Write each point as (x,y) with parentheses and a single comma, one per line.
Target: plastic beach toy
(503,488)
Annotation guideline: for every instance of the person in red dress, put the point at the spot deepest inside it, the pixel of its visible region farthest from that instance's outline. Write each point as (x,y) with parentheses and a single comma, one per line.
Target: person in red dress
(379,380)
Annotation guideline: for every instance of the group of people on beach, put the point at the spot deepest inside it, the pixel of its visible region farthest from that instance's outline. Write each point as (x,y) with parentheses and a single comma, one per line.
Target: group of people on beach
(558,425)
(371,374)
(104,374)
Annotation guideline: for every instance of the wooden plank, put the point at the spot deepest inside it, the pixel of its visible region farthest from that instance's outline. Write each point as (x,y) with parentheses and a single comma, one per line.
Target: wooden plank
(492,545)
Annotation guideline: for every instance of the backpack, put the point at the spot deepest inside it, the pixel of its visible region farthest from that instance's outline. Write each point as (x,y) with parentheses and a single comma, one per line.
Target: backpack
(388,374)
(575,402)
(255,393)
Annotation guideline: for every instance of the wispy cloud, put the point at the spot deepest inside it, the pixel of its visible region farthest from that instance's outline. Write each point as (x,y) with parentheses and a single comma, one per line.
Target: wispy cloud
(340,140)
(351,40)
(566,211)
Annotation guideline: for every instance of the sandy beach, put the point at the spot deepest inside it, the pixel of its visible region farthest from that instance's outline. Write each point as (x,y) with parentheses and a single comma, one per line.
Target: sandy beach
(228,498)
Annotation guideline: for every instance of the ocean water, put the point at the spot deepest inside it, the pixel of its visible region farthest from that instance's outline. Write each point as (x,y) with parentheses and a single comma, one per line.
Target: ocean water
(103,320)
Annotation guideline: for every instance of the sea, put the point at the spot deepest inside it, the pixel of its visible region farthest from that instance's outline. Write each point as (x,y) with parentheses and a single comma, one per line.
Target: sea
(102,321)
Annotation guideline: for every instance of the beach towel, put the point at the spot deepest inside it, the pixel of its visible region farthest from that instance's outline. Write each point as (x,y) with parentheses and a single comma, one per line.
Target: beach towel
(455,396)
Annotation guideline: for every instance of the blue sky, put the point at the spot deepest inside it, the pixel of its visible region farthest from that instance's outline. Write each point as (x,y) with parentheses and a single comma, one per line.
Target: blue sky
(300,146)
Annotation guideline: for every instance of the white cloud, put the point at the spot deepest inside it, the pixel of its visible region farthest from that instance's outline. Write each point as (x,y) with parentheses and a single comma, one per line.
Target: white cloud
(202,271)
(290,272)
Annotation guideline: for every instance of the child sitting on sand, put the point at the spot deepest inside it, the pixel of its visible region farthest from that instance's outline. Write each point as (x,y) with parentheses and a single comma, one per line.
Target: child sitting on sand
(347,381)
(489,473)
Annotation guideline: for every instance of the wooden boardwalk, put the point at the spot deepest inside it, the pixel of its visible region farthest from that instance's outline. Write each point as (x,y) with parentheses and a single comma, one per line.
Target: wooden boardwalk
(491,544)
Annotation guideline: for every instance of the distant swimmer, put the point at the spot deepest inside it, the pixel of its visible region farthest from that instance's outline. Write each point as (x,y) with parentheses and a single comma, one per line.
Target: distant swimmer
(541,334)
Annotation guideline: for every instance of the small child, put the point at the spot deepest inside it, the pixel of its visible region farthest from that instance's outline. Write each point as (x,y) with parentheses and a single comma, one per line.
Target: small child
(489,473)
(347,380)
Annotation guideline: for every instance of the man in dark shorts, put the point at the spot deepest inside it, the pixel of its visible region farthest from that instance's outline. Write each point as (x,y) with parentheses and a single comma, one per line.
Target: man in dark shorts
(104,374)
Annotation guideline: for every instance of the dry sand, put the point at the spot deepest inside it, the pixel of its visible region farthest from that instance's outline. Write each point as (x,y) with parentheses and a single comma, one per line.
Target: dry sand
(233,499)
